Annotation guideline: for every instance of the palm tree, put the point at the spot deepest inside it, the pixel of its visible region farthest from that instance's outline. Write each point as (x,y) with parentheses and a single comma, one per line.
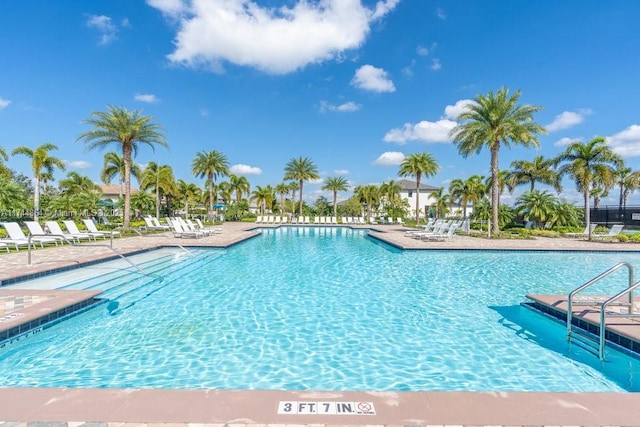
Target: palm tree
(210,164)
(368,195)
(282,190)
(127,129)
(42,165)
(188,191)
(335,184)
(418,165)
(263,197)
(75,183)
(114,166)
(539,170)
(628,181)
(441,202)
(301,169)
(158,179)
(537,206)
(586,161)
(471,190)
(239,185)
(492,121)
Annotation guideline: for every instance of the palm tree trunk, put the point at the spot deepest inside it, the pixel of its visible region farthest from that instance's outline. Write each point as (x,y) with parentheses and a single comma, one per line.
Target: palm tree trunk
(300,197)
(211,199)
(36,198)
(495,188)
(587,217)
(126,156)
(417,198)
(335,203)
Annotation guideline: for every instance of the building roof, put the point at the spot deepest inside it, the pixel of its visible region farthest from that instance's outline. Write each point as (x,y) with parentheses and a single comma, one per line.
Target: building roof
(114,189)
(408,185)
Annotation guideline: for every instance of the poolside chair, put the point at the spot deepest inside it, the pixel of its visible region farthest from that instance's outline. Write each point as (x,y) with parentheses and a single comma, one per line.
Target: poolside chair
(259,219)
(34,227)
(307,220)
(399,221)
(54,228)
(180,231)
(91,227)
(73,229)
(214,230)
(585,233)
(285,220)
(361,220)
(277,220)
(17,237)
(334,220)
(613,232)
(158,226)
(442,235)
(4,245)
(16,233)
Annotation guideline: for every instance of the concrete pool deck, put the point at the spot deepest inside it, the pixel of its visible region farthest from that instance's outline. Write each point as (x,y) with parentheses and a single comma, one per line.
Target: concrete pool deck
(199,408)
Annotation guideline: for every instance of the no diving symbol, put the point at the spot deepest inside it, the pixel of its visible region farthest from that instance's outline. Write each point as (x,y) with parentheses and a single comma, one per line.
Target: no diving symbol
(364,406)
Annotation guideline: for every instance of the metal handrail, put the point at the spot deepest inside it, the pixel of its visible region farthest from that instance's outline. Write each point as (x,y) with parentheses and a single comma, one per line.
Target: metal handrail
(603,312)
(72,243)
(628,290)
(163,236)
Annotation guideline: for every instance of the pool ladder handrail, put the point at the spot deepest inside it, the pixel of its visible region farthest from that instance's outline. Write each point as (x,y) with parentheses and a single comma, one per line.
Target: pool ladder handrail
(163,236)
(628,291)
(72,243)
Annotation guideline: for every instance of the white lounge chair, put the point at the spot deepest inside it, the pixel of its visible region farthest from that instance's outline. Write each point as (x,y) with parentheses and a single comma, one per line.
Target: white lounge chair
(259,219)
(180,231)
(4,245)
(91,227)
(399,221)
(54,228)
(73,230)
(614,231)
(444,235)
(17,237)
(307,220)
(213,230)
(585,233)
(34,227)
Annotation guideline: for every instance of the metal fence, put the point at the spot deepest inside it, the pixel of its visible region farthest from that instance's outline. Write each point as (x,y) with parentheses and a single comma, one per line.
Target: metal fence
(609,215)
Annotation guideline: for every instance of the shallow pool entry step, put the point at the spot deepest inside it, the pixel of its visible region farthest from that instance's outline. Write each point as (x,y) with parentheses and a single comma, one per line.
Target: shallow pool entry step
(26,312)
(621,332)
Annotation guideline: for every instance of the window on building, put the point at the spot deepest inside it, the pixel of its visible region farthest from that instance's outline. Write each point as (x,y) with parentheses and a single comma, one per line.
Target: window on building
(410,193)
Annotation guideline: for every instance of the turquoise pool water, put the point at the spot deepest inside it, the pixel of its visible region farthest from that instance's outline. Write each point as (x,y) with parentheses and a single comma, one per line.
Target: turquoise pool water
(303,308)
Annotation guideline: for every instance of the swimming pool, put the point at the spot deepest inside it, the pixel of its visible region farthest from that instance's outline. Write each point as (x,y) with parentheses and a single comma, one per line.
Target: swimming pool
(304,308)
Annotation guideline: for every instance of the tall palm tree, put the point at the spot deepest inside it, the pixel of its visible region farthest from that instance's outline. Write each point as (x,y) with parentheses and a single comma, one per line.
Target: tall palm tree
(239,185)
(492,121)
(301,169)
(42,165)
(529,172)
(158,179)
(536,206)
(210,164)
(419,165)
(584,162)
(114,166)
(126,129)
(225,190)
(472,190)
(390,191)
(335,184)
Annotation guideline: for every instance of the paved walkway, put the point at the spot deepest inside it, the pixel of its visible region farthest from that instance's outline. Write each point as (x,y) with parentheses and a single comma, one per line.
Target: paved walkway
(183,408)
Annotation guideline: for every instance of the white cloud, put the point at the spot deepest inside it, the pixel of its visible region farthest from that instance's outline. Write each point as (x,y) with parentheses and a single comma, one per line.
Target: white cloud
(245,170)
(104,25)
(441,14)
(146,97)
(389,158)
(627,142)
(423,131)
(277,40)
(567,119)
(374,79)
(341,172)
(453,111)
(314,181)
(204,112)
(4,103)
(563,142)
(346,107)
(78,164)
(422,51)
(435,64)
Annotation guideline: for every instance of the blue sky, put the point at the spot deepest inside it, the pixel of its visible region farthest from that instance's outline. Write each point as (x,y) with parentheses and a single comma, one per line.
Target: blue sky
(353,85)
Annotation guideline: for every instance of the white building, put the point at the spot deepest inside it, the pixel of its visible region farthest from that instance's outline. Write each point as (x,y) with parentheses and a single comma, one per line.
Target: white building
(408,193)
